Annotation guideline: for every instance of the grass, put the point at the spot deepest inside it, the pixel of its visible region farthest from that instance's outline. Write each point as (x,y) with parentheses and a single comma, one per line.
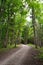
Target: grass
(30,44)
(8,48)
(41,53)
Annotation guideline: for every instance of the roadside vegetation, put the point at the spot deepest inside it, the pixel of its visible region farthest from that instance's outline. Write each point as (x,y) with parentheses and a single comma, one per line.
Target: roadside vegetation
(9,47)
(21,21)
(40,56)
(40,50)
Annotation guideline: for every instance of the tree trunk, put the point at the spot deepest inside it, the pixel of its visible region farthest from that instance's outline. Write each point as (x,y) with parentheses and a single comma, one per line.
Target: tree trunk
(34,27)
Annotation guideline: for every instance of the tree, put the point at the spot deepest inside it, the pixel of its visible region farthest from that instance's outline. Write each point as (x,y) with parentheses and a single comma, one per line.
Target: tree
(25,34)
(35,7)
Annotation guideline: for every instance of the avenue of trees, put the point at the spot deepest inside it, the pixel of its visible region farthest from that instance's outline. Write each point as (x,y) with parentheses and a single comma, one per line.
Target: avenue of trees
(14,28)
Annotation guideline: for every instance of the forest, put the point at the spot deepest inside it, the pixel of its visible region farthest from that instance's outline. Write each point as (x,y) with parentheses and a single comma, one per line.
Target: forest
(14,26)
(21,22)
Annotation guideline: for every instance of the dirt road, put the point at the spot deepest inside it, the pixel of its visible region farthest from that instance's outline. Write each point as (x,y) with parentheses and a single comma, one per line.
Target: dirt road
(26,55)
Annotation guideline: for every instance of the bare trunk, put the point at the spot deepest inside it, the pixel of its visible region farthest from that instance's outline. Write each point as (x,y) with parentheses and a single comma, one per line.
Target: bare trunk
(34,27)
(5,40)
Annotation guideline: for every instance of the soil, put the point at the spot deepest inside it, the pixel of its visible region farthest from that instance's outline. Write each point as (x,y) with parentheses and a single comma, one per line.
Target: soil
(23,55)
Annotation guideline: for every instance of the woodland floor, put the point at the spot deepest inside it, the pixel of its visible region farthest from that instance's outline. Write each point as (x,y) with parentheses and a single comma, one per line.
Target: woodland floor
(24,55)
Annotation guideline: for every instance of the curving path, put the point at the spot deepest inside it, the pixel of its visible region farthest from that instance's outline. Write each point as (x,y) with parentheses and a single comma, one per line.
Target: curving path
(24,56)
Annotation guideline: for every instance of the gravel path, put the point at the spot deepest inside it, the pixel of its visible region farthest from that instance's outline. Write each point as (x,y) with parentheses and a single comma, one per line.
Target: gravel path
(24,56)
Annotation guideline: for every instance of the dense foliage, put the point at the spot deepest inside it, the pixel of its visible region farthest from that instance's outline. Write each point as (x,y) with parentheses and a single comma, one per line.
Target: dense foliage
(14,28)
